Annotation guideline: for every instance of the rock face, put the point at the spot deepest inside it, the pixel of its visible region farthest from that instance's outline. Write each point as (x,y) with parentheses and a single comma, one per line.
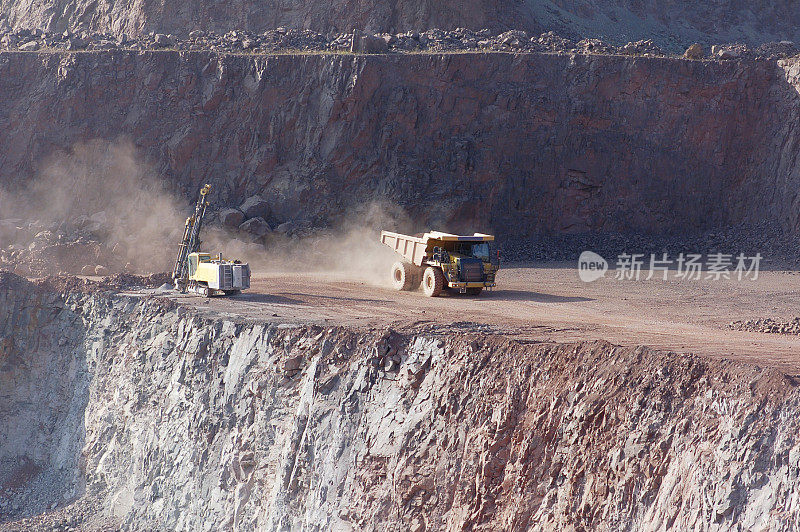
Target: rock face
(174,421)
(180,18)
(669,24)
(516,144)
(45,461)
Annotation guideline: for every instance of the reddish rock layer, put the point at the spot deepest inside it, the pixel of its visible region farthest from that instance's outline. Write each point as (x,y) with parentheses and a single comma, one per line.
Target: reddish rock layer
(511,143)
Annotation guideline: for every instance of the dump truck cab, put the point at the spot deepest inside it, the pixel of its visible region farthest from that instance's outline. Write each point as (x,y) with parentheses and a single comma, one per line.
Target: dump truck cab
(439,261)
(465,264)
(209,274)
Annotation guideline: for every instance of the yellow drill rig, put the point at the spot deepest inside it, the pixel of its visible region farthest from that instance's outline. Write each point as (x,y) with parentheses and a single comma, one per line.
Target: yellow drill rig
(200,272)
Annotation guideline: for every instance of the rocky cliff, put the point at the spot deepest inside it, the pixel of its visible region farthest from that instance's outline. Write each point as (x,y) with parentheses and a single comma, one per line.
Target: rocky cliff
(671,23)
(518,144)
(136,17)
(174,421)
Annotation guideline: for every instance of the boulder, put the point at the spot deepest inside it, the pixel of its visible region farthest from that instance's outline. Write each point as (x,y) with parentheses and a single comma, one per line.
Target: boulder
(695,51)
(257,227)
(286,228)
(87,270)
(255,206)
(100,270)
(293,363)
(231,218)
(162,41)
(29,46)
(370,44)
(728,53)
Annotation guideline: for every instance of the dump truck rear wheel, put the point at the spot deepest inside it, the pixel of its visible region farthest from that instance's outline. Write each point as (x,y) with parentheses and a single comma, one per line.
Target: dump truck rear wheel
(403,276)
(474,291)
(432,281)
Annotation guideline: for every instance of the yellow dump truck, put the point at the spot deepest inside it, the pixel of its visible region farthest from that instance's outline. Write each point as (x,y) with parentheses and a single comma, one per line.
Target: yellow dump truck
(442,261)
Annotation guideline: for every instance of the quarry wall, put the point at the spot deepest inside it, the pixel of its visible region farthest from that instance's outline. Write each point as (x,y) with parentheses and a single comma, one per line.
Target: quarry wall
(182,422)
(513,143)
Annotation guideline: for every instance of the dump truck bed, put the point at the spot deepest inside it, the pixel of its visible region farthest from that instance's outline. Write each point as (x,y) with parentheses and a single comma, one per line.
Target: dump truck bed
(415,248)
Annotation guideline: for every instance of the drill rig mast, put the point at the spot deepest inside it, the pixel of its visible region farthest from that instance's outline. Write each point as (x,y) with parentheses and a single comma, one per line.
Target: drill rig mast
(191,241)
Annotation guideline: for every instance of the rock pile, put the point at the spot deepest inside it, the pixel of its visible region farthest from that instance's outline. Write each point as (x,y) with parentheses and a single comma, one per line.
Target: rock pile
(254,222)
(780,250)
(79,247)
(767,325)
(83,246)
(771,50)
(646,47)
(249,220)
(777,50)
(432,40)
(51,252)
(38,250)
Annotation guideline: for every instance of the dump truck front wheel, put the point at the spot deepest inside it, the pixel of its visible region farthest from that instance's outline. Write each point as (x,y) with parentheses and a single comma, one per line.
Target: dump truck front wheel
(403,277)
(432,281)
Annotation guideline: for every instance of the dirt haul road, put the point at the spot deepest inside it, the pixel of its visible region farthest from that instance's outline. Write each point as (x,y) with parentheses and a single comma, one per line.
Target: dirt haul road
(548,303)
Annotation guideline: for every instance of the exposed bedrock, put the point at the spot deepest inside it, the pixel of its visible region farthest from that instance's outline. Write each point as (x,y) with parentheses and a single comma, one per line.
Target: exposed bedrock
(517,144)
(179,422)
(172,16)
(44,386)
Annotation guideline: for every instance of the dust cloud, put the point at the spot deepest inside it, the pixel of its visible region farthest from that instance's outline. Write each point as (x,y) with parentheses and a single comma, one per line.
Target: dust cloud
(99,204)
(98,190)
(351,250)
